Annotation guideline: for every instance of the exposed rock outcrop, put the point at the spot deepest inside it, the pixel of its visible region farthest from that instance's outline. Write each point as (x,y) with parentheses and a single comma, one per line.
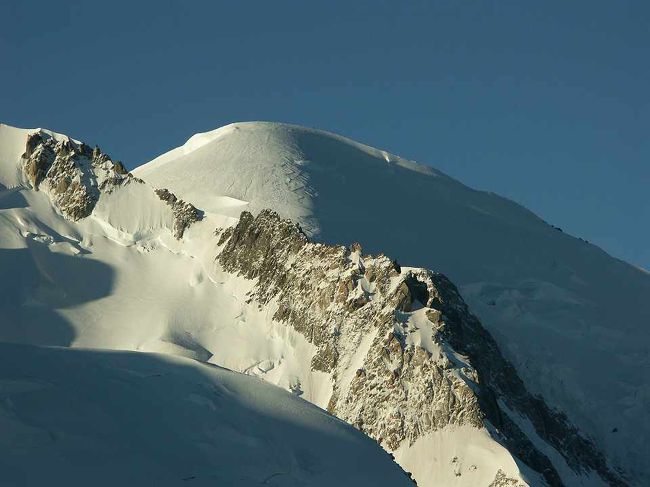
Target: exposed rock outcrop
(502,480)
(426,361)
(184,213)
(71,173)
(75,176)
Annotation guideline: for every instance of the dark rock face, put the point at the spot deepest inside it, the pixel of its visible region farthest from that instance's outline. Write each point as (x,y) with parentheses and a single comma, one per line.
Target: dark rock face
(184,213)
(70,173)
(348,304)
(119,168)
(37,162)
(335,301)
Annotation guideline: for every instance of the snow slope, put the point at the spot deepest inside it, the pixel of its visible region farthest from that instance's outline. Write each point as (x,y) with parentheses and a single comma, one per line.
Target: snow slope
(572,319)
(90,417)
(118,279)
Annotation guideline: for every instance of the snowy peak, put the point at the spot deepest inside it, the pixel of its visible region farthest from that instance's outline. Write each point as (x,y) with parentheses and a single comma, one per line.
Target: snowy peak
(553,302)
(260,165)
(232,250)
(276,135)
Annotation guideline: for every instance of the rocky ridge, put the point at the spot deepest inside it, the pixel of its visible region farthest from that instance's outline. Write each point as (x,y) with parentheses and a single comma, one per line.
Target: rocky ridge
(184,213)
(420,359)
(71,173)
(405,354)
(75,176)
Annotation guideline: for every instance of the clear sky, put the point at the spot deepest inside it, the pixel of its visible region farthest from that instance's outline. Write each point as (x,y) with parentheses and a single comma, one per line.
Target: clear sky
(547,103)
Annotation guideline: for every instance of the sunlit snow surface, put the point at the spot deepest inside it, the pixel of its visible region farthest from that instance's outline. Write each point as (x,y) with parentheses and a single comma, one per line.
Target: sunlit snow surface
(572,319)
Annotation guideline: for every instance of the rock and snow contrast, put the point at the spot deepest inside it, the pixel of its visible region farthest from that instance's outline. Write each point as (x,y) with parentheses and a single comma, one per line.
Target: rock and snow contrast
(520,358)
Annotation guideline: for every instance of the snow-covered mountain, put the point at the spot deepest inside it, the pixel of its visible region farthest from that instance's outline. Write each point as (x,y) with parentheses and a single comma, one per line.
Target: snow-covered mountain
(101,417)
(164,260)
(573,320)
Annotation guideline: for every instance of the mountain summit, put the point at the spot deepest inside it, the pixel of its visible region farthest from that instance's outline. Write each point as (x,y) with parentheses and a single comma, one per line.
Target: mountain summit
(476,343)
(572,319)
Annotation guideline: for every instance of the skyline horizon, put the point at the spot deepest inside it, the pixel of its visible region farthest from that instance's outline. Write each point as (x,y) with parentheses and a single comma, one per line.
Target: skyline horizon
(546,105)
(133,167)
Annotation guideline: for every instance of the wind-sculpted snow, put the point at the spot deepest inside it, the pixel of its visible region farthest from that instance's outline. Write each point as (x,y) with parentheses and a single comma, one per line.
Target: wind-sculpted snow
(423,361)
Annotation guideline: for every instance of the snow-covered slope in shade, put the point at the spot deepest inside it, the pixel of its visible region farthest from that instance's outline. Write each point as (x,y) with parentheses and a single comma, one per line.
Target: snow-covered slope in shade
(101,418)
(572,319)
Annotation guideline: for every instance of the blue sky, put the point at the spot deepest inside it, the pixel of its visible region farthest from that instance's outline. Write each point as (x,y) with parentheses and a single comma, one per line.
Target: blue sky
(547,103)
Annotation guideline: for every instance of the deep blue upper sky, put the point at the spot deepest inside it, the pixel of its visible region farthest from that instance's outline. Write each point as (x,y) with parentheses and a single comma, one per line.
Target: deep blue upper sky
(547,103)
